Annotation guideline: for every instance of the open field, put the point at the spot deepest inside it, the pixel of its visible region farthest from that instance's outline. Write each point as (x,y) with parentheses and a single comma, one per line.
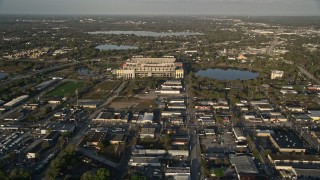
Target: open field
(66,89)
(132,102)
(12,69)
(100,90)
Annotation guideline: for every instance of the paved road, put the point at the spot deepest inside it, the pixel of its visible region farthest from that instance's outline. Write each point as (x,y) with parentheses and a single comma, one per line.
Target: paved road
(195,151)
(307,73)
(100,159)
(109,100)
(33,73)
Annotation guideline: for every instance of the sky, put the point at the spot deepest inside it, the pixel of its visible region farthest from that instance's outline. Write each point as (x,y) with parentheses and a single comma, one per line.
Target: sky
(162,7)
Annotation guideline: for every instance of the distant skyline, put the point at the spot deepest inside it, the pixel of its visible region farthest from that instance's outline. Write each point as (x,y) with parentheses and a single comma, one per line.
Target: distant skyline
(162,7)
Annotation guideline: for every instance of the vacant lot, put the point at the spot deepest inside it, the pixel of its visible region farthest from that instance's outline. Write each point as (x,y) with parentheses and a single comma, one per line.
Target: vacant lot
(66,89)
(13,69)
(132,102)
(101,90)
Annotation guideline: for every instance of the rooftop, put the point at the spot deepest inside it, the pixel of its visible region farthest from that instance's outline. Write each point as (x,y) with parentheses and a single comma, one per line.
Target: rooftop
(244,164)
(287,139)
(296,157)
(148,130)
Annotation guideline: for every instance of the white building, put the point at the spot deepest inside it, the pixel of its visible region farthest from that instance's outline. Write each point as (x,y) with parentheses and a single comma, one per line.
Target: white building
(276,74)
(139,66)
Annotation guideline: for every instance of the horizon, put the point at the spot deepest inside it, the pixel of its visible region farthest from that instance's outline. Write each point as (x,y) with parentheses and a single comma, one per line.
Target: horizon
(162,7)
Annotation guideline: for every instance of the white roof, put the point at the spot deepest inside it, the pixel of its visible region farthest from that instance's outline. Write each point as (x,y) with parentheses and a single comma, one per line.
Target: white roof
(16,100)
(147,117)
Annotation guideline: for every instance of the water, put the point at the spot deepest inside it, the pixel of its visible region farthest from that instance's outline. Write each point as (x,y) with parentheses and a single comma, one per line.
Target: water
(148,33)
(228,74)
(83,71)
(3,75)
(115,47)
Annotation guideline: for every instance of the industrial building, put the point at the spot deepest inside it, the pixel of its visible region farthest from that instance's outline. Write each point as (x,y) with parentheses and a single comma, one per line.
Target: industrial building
(139,67)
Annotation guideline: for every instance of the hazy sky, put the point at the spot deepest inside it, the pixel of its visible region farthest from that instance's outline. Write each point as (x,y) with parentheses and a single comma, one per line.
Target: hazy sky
(162,7)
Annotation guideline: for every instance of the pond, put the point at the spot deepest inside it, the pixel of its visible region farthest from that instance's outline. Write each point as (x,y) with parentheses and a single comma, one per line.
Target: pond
(114,47)
(3,75)
(228,74)
(83,71)
(148,33)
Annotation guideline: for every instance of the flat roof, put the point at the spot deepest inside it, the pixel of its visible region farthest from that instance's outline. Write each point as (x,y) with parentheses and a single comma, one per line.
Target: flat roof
(147,116)
(244,164)
(287,139)
(52,135)
(139,159)
(148,130)
(16,100)
(95,136)
(297,157)
(112,115)
(45,84)
(117,137)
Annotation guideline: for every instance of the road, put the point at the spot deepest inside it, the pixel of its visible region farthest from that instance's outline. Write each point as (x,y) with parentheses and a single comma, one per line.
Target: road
(195,151)
(307,73)
(100,159)
(273,45)
(109,100)
(33,73)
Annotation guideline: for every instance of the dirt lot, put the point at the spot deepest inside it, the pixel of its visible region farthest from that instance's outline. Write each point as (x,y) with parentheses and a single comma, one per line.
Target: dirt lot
(141,101)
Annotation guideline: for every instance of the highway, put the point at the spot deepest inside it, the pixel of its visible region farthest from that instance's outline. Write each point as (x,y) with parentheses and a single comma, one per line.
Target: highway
(33,73)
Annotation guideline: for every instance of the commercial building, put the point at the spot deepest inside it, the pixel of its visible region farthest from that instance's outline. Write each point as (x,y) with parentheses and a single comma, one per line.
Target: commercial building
(93,138)
(239,134)
(110,116)
(287,141)
(88,103)
(139,67)
(15,102)
(147,132)
(146,117)
(244,166)
(276,74)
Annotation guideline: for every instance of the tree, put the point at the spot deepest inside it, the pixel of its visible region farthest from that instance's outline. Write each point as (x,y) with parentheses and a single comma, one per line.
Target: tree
(88,176)
(218,172)
(103,174)
(45,145)
(138,177)
(19,174)
(100,174)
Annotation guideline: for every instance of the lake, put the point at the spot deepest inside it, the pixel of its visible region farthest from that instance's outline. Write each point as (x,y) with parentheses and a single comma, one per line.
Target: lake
(148,33)
(228,74)
(114,47)
(3,75)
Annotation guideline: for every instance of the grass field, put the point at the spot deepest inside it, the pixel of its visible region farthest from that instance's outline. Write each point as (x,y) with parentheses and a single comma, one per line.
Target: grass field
(66,89)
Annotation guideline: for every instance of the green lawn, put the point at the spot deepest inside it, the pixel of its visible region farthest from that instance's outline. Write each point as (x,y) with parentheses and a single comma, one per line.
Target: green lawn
(66,89)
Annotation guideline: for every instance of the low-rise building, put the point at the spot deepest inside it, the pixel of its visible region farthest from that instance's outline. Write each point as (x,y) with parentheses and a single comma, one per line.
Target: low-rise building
(145,161)
(276,74)
(287,141)
(110,116)
(244,166)
(92,139)
(52,137)
(146,117)
(117,138)
(88,103)
(147,132)
(314,114)
(239,134)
